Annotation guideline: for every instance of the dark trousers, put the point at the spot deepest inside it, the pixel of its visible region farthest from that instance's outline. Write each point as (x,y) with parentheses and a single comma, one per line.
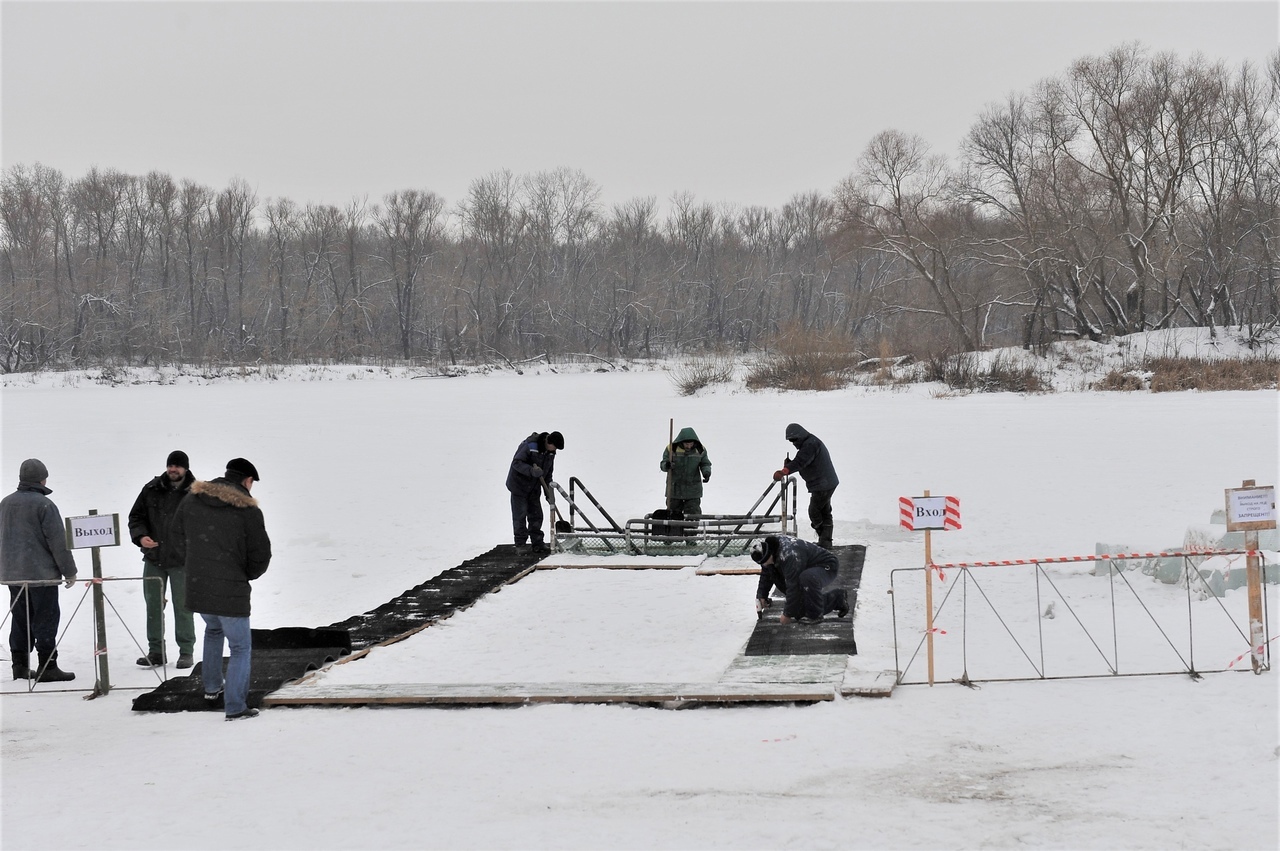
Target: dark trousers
(35,614)
(820,513)
(526,517)
(817,600)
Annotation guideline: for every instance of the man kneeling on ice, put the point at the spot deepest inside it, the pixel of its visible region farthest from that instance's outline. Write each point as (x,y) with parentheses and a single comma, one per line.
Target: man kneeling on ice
(803,571)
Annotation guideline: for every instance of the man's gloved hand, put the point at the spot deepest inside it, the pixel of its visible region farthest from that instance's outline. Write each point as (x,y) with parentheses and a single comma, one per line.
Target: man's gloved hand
(781,474)
(536,471)
(706,478)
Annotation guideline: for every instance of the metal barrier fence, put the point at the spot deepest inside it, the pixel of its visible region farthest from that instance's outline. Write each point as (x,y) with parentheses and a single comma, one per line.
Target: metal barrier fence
(990,630)
(101,683)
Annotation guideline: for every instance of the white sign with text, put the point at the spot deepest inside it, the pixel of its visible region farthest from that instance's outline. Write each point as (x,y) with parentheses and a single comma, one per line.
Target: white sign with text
(93,530)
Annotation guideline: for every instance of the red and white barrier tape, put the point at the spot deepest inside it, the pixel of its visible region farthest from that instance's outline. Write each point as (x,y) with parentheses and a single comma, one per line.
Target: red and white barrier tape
(1098,557)
(1250,652)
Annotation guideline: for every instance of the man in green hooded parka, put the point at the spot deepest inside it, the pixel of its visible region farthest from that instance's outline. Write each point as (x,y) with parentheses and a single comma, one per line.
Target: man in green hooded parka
(688,465)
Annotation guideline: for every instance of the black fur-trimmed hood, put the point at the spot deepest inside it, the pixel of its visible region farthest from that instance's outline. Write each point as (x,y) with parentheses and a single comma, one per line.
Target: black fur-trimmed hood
(224,490)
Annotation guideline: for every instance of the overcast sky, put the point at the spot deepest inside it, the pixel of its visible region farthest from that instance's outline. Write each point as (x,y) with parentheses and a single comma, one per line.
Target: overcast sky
(748,103)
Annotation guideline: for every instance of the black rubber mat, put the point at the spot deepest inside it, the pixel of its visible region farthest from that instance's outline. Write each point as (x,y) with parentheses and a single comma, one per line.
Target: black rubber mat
(286,653)
(832,636)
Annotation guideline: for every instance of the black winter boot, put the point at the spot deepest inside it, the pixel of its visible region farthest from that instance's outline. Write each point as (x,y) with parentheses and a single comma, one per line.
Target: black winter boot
(21,665)
(49,672)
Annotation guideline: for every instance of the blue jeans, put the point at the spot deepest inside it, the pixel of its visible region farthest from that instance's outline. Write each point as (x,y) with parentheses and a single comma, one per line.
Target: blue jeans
(240,640)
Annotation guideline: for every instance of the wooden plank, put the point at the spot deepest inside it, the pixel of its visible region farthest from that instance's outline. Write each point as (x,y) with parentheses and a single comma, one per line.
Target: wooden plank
(786,669)
(868,683)
(728,571)
(520,693)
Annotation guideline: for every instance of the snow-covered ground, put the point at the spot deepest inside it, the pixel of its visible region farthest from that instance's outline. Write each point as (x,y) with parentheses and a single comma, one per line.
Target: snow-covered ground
(373,482)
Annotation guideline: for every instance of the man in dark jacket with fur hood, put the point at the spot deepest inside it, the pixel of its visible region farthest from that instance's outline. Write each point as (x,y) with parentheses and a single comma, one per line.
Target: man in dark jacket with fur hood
(220,535)
(813,463)
(149,521)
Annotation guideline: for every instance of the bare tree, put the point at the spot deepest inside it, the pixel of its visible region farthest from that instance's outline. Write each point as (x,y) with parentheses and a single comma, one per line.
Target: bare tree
(411,222)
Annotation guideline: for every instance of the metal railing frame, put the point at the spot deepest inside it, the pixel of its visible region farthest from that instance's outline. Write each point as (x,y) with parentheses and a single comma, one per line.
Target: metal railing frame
(161,672)
(1191,575)
(709,529)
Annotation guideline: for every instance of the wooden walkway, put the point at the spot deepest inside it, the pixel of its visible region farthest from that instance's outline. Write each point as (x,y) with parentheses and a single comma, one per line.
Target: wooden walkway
(812,664)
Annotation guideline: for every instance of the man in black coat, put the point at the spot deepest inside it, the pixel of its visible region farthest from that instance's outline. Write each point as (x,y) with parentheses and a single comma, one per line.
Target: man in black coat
(813,463)
(149,521)
(220,535)
(802,571)
(530,475)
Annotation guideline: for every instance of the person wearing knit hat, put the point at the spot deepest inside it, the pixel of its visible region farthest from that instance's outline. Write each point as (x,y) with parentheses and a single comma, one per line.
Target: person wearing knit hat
(528,477)
(805,573)
(149,522)
(221,538)
(33,559)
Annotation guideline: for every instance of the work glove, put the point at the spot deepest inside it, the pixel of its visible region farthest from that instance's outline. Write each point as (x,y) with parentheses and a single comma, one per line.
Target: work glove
(535,471)
(781,474)
(706,478)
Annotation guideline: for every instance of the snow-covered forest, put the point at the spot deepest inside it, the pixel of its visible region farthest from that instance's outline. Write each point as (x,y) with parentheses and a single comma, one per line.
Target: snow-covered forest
(1132,191)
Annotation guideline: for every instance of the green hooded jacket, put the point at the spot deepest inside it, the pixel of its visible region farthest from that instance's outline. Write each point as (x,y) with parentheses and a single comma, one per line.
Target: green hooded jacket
(689,469)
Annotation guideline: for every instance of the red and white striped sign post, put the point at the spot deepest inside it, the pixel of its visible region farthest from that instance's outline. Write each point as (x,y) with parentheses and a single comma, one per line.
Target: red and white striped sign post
(929,513)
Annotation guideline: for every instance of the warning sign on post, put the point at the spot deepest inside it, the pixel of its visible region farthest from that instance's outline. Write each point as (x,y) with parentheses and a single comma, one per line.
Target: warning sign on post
(93,530)
(919,513)
(1251,508)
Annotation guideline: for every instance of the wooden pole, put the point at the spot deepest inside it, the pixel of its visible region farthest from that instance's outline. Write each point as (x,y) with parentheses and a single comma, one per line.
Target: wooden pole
(103,684)
(1253,571)
(671,457)
(928,597)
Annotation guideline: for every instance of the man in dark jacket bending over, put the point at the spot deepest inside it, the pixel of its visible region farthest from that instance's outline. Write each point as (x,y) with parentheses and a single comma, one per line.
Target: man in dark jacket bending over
(803,571)
(813,463)
(530,475)
(220,535)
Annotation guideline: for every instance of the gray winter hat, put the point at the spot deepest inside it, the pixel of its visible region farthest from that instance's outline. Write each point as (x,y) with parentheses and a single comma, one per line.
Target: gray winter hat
(33,470)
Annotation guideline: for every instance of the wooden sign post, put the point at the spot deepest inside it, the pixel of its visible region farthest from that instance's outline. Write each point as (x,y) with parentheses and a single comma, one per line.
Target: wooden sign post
(1249,509)
(96,531)
(929,513)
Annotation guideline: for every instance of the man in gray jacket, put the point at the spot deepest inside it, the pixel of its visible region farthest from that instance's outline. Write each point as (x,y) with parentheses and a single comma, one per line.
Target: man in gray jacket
(33,559)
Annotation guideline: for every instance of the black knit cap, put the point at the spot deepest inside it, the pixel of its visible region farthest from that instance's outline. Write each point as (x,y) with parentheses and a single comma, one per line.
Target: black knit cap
(178,458)
(760,552)
(556,439)
(240,468)
(33,470)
